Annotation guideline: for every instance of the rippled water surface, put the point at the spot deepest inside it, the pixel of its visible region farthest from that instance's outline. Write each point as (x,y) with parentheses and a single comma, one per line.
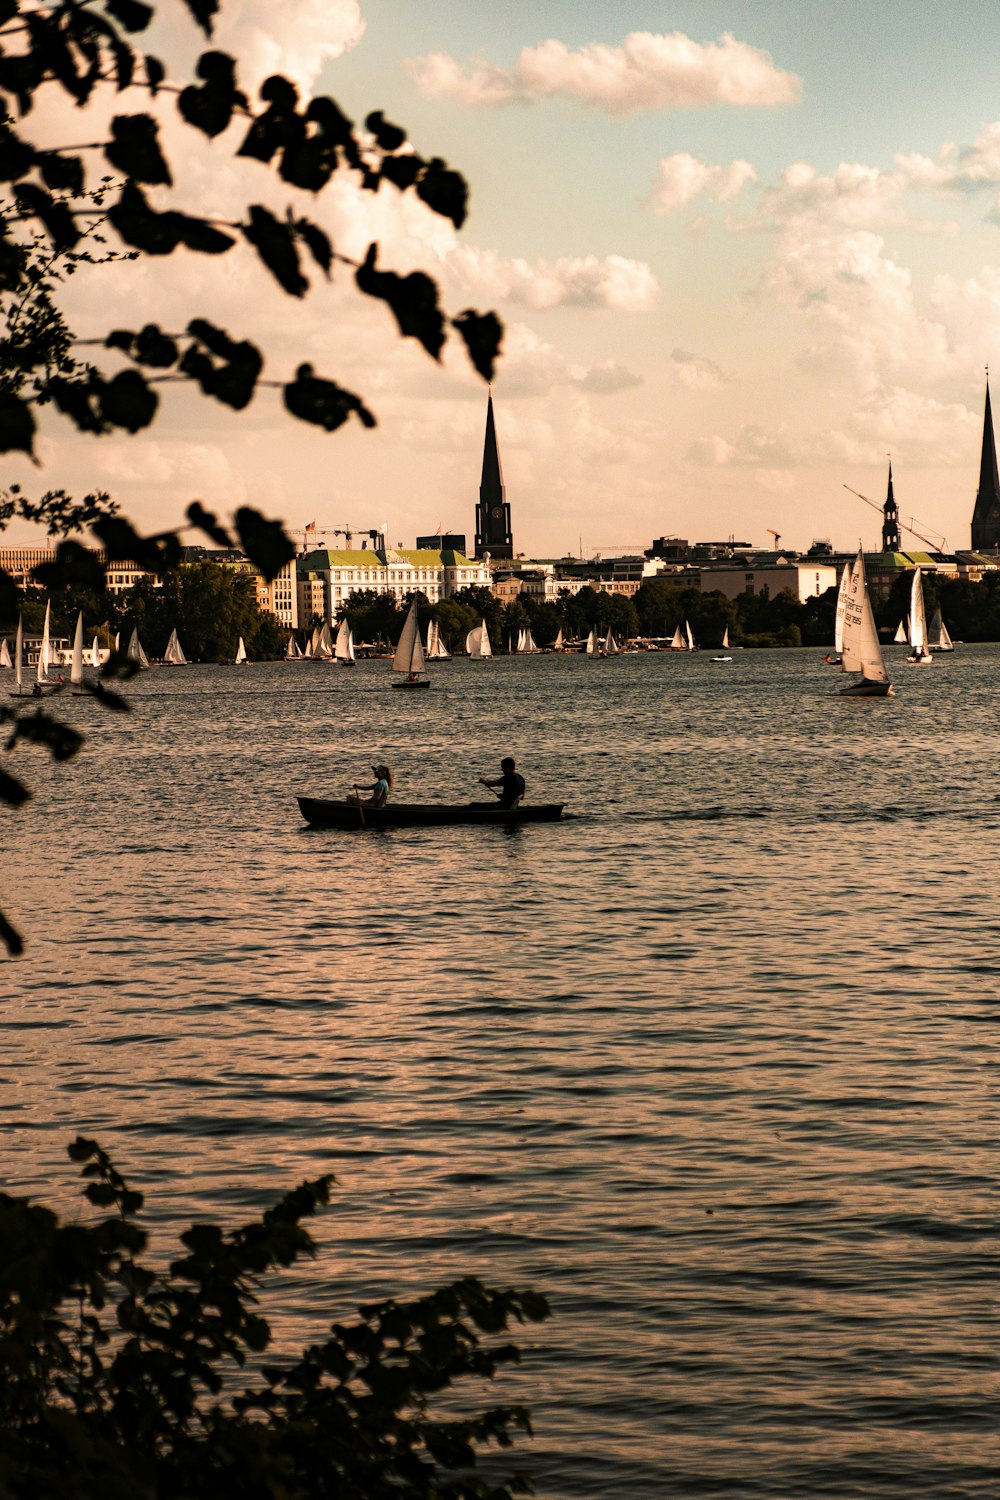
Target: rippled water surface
(713,1062)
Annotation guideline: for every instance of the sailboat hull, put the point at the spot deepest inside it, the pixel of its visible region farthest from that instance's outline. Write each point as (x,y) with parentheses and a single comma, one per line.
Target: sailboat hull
(920,661)
(867,688)
(422,683)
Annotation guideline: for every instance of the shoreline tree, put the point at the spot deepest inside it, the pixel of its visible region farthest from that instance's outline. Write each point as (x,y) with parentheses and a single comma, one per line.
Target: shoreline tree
(59,205)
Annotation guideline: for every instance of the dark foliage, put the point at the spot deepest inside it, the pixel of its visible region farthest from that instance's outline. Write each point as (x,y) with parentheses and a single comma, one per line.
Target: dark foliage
(121,1381)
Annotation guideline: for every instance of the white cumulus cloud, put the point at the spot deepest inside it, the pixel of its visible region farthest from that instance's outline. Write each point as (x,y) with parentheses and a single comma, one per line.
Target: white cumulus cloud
(682,178)
(647,71)
(611,281)
(296,38)
(696,372)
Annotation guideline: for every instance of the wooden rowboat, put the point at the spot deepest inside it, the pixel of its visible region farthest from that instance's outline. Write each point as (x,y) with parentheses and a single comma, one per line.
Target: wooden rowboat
(322,812)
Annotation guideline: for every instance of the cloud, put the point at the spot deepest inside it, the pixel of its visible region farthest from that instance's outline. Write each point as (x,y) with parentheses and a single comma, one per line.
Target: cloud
(681,178)
(296,38)
(648,71)
(613,282)
(532,366)
(697,373)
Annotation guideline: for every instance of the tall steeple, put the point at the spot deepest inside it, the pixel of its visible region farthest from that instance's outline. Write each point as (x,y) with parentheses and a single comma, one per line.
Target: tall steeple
(493,533)
(986,515)
(890,523)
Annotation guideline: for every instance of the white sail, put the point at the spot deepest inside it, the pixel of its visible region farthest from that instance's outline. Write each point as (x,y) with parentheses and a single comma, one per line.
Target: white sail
(473,640)
(292,652)
(19,653)
(902,632)
(5,660)
(861,650)
(135,651)
(918,619)
(677,643)
(557,644)
(838,619)
(174,654)
(436,648)
(690,637)
(409,655)
(76,670)
(530,644)
(241,653)
(610,645)
(938,638)
(725,639)
(344,650)
(95,653)
(591,646)
(485,648)
(44,649)
(324,646)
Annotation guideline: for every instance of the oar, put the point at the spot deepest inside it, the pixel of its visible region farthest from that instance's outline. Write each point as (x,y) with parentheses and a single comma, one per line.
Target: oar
(361,812)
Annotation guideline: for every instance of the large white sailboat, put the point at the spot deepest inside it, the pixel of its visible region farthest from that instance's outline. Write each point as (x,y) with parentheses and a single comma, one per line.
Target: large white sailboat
(677,642)
(861,650)
(409,657)
(919,655)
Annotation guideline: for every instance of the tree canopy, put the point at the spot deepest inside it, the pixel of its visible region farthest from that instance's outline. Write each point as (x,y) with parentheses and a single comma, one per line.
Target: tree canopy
(65,206)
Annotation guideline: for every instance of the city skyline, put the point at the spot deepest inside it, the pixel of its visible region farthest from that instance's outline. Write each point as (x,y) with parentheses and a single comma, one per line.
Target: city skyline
(743,257)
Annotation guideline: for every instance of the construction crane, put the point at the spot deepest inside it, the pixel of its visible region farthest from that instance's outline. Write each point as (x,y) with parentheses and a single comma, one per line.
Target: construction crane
(775,534)
(347,532)
(941,545)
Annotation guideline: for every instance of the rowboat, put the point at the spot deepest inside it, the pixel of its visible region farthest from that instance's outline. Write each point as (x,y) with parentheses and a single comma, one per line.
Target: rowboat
(324,812)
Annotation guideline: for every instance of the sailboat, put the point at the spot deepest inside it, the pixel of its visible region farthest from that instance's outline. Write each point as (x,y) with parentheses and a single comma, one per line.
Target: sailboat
(19,688)
(590,649)
(5,660)
(938,638)
(45,649)
(135,651)
(919,654)
(293,652)
(837,657)
(174,656)
(436,648)
(861,650)
(323,648)
(344,649)
(409,657)
(76,668)
(611,646)
(902,635)
(557,644)
(690,638)
(677,641)
(241,654)
(477,643)
(95,653)
(725,639)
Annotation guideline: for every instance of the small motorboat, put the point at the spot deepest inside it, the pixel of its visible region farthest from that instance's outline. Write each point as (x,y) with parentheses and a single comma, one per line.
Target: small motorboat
(721,658)
(322,812)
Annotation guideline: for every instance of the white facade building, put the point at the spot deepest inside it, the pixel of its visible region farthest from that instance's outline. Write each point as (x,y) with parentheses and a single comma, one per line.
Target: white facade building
(805,580)
(335,575)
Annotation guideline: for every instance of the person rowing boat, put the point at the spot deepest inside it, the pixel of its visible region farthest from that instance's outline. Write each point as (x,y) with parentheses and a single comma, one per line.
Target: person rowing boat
(511,784)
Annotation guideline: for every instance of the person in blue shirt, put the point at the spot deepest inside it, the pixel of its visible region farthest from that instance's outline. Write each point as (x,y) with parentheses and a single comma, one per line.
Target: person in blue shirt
(511,784)
(379,789)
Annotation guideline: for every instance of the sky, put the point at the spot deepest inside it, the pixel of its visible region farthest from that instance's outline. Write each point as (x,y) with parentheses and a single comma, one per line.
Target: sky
(743,253)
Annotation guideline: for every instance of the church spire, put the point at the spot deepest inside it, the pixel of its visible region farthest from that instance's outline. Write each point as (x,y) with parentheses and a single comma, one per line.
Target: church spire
(986,515)
(890,522)
(493,533)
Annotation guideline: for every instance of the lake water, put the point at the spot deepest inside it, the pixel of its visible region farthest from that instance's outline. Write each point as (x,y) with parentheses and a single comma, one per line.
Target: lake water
(713,1063)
